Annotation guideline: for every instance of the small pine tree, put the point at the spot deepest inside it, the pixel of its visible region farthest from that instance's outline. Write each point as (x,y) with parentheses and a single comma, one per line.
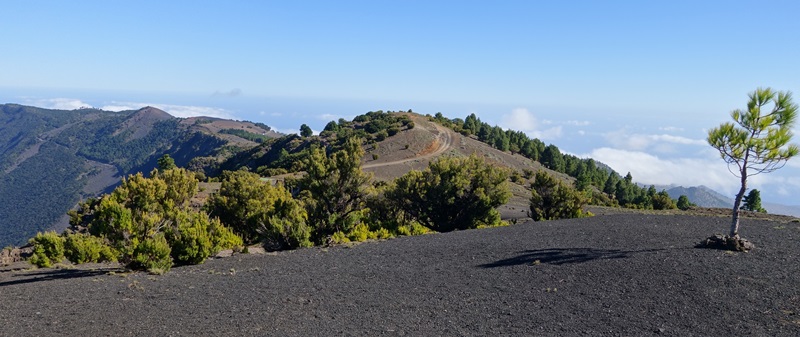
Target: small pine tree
(683,203)
(752,202)
(305,131)
(552,199)
(662,200)
(166,163)
(757,141)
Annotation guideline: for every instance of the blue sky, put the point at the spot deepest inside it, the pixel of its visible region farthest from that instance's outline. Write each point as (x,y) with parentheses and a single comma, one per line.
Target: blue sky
(635,84)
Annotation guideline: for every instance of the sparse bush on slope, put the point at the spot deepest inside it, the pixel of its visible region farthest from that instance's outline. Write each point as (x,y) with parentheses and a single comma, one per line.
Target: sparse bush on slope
(453,193)
(83,248)
(257,210)
(48,249)
(552,199)
(149,222)
(334,189)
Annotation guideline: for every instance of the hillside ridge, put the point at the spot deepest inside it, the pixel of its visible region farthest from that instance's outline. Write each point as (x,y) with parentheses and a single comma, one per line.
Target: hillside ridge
(51,159)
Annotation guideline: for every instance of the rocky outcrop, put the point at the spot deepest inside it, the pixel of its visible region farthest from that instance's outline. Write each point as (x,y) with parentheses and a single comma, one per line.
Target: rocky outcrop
(11,255)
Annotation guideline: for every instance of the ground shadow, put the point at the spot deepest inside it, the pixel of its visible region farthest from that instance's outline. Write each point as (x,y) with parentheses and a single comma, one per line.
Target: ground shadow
(55,274)
(558,256)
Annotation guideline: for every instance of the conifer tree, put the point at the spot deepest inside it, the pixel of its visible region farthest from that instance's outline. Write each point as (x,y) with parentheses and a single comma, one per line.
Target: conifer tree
(758,141)
(752,202)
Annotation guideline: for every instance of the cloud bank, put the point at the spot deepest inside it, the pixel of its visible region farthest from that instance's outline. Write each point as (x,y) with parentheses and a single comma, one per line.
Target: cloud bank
(521,119)
(181,111)
(649,169)
(59,103)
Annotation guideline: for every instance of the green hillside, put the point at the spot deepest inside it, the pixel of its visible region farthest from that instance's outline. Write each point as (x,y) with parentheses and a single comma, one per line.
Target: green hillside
(51,159)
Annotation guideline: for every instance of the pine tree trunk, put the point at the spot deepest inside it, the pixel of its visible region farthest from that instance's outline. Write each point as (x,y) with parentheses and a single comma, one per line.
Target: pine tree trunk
(736,204)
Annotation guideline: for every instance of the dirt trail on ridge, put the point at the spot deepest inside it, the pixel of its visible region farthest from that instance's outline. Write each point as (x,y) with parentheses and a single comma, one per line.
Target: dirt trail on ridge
(444,138)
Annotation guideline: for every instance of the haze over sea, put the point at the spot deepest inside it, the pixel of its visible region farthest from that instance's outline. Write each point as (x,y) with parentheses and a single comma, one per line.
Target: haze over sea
(633,84)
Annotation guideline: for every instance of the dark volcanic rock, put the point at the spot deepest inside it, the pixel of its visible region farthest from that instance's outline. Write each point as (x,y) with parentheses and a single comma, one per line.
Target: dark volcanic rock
(726,242)
(615,275)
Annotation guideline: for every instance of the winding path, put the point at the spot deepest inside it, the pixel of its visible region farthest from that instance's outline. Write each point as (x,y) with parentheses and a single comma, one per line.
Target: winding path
(444,138)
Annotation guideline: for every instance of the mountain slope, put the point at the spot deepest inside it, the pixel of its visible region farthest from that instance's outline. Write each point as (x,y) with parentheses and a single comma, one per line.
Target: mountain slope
(701,196)
(51,159)
(414,142)
(705,197)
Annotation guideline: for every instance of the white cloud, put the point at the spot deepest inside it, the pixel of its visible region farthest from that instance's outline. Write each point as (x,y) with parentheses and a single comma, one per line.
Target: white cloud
(59,103)
(670,129)
(328,117)
(638,142)
(521,119)
(181,111)
(271,114)
(649,169)
(678,140)
(578,123)
(707,170)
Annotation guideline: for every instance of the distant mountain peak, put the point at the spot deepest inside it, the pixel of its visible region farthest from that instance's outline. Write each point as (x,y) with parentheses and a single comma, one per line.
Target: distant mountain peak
(153,112)
(141,122)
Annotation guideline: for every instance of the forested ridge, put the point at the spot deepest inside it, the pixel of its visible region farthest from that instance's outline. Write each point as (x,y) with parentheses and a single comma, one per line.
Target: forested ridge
(84,136)
(148,223)
(605,186)
(48,158)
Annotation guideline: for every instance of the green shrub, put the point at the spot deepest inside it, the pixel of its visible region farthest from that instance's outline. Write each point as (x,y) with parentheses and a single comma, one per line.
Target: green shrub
(516,177)
(381,233)
(84,248)
(196,237)
(48,248)
(552,199)
(153,254)
(223,237)
(663,201)
(359,233)
(413,228)
(247,204)
(452,193)
(683,202)
(339,238)
(285,225)
(271,172)
(527,173)
(496,224)
(190,239)
(334,189)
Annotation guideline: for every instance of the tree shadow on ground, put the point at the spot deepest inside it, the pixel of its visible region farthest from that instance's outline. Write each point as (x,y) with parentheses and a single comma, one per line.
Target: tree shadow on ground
(559,256)
(55,274)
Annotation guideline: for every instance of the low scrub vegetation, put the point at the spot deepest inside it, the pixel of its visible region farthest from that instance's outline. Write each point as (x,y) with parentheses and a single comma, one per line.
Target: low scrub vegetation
(552,199)
(48,249)
(84,248)
(149,224)
(453,193)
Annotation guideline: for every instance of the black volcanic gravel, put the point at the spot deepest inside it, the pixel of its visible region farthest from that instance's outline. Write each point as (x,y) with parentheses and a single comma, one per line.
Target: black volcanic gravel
(615,275)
